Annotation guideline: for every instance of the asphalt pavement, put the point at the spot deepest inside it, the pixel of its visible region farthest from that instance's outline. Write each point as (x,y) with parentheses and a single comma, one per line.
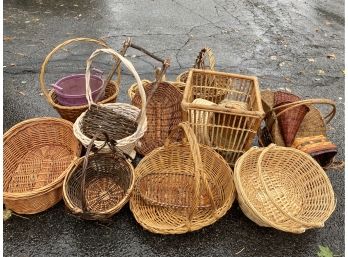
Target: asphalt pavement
(297,45)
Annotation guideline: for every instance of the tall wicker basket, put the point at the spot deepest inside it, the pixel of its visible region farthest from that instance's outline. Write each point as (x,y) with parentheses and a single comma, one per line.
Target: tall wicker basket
(181,187)
(72,112)
(229,130)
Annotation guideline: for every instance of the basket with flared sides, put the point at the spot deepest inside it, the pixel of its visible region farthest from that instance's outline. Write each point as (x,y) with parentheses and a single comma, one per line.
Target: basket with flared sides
(37,155)
(283,188)
(99,184)
(230,130)
(181,187)
(72,112)
(314,122)
(114,112)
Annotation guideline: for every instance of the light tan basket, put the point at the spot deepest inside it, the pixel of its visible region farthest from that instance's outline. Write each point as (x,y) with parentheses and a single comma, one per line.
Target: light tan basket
(231,130)
(37,155)
(126,144)
(181,187)
(72,112)
(283,188)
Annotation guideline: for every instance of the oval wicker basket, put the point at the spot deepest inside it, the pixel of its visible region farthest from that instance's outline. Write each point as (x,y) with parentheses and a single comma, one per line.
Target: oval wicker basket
(181,187)
(37,155)
(128,143)
(313,124)
(283,188)
(98,185)
(72,112)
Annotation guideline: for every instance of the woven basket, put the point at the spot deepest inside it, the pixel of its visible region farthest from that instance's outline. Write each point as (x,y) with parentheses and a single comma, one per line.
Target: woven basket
(37,155)
(319,147)
(72,112)
(128,143)
(226,122)
(283,188)
(314,123)
(181,187)
(199,63)
(98,185)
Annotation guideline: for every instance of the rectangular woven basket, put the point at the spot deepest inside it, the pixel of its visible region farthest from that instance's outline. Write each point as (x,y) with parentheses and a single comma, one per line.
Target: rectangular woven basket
(225,127)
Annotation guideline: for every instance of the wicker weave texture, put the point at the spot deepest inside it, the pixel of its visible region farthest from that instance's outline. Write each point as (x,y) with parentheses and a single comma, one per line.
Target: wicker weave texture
(72,112)
(37,155)
(283,188)
(181,187)
(231,130)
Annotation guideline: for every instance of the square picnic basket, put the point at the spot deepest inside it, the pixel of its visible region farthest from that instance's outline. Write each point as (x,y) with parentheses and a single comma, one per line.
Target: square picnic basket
(224,110)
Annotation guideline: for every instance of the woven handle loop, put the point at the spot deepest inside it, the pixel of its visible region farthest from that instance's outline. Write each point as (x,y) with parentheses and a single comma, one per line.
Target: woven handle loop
(198,166)
(269,194)
(292,105)
(129,65)
(205,52)
(43,85)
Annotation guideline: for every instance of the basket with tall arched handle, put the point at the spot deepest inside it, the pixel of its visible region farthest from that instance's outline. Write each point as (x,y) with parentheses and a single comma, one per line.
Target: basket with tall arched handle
(182,186)
(124,123)
(72,112)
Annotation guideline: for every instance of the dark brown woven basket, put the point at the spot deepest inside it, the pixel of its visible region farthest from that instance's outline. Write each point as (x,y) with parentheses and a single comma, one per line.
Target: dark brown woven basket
(99,185)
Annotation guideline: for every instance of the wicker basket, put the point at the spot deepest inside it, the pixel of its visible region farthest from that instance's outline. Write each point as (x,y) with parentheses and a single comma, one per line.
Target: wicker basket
(128,143)
(181,187)
(283,188)
(72,112)
(231,130)
(37,155)
(313,124)
(199,63)
(98,185)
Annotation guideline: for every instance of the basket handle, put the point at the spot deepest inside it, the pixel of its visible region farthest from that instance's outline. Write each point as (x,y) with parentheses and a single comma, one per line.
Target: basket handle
(43,85)
(129,65)
(199,63)
(198,166)
(265,187)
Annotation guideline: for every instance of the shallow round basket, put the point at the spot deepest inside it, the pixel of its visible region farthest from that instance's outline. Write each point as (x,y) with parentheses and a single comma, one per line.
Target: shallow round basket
(109,181)
(181,187)
(72,112)
(163,112)
(283,188)
(37,155)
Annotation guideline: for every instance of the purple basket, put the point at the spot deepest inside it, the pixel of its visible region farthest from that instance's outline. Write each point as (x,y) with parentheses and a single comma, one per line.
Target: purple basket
(71,90)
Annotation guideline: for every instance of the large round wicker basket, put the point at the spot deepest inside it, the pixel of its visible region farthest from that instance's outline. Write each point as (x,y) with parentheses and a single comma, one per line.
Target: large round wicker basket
(283,188)
(37,155)
(181,187)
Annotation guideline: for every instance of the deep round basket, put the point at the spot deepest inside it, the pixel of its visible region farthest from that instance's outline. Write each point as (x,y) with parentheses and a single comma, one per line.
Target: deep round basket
(37,155)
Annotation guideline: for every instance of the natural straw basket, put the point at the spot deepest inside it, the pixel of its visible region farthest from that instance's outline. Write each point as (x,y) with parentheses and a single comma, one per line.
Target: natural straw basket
(163,110)
(199,63)
(314,123)
(284,188)
(128,143)
(72,112)
(181,187)
(226,122)
(98,185)
(37,155)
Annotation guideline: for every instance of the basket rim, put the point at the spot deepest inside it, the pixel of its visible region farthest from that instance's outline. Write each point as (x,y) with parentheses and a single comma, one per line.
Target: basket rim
(111,211)
(241,191)
(57,182)
(79,107)
(186,104)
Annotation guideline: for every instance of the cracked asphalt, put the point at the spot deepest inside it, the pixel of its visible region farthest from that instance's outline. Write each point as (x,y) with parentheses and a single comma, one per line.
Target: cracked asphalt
(288,44)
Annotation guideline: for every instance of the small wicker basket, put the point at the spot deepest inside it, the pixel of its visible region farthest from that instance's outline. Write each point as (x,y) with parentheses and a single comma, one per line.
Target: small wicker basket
(37,155)
(181,187)
(98,185)
(72,112)
(283,188)
(131,112)
(231,130)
